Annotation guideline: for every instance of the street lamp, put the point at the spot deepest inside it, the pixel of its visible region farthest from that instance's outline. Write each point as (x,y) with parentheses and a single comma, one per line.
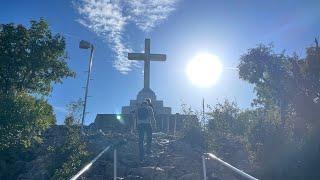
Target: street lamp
(86,45)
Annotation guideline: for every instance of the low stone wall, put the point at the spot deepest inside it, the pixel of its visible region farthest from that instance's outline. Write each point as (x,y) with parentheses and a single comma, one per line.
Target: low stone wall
(123,122)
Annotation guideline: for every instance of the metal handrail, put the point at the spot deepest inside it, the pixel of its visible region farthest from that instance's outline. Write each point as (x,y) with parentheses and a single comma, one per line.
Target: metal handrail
(236,170)
(114,164)
(87,167)
(212,156)
(204,167)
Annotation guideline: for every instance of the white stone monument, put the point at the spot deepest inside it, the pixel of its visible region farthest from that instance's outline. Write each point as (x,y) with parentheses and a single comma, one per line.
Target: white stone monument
(146,92)
(165,120)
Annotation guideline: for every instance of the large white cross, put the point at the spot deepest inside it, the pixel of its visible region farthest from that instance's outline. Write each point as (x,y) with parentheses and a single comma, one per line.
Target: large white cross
(146,57)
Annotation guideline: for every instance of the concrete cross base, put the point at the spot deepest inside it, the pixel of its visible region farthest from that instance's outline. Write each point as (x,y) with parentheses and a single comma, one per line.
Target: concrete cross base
(142,95)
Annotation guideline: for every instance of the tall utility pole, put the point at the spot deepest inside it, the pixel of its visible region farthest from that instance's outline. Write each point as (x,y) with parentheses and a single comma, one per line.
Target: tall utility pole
(203,113)
(86,45)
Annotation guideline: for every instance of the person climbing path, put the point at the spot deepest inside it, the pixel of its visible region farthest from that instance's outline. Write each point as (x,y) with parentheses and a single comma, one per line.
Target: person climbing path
(145,123)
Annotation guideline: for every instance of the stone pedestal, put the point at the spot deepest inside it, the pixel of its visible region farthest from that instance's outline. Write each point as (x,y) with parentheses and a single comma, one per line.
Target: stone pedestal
(165,120)
(142,95)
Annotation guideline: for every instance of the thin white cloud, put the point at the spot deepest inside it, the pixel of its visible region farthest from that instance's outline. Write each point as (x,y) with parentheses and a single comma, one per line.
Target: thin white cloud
(148,13)
(108,19)
(60,109)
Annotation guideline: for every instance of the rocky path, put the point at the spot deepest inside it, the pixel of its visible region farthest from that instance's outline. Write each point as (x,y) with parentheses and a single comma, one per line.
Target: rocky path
(170,159)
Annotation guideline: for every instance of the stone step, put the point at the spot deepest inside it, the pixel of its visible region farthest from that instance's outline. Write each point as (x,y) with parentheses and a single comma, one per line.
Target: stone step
(169,160)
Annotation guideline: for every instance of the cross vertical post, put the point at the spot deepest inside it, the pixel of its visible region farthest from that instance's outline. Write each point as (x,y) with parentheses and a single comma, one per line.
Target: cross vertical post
(146,57)
(147,64)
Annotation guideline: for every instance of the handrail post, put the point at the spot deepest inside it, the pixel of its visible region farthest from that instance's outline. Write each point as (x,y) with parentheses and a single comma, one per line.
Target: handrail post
(175,126)
(115,164)
(168,125)
(162,125)
(204,168)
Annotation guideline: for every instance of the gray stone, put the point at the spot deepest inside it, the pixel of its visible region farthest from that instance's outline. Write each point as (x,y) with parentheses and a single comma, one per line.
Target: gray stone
(133,177)
(150,172)
(190,176)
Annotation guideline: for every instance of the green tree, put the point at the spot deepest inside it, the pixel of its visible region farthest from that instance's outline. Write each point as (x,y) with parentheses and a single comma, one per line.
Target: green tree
(224,118)
(270,73)
(287,89)
(74,113)
(23,118)
(31,59)
(22,121)
(287,83)
(192,120)
(74,150)
(72,155)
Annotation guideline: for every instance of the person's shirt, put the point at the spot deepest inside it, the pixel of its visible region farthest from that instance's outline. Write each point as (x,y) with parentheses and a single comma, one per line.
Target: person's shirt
(149,104)
(145,115)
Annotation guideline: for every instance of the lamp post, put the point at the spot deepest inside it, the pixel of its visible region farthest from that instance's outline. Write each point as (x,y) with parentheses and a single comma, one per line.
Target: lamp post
(203,114)
(86,45)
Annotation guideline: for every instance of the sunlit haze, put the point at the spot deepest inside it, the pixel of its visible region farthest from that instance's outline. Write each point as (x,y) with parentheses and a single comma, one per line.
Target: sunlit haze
(222,29)
(204,70)
(159,89)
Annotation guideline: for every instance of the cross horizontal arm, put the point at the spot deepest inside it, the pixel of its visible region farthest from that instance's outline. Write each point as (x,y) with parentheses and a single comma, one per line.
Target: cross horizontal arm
(157,57)
(142,56)
(136,56)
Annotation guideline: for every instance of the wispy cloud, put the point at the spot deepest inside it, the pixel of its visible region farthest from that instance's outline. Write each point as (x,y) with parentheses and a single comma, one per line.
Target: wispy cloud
(60,109)
(148,13)
(108,19)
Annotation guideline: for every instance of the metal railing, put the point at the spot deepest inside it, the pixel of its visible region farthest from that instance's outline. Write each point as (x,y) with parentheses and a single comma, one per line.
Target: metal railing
(87,167)
(114,164)
(225,164)
(204,168)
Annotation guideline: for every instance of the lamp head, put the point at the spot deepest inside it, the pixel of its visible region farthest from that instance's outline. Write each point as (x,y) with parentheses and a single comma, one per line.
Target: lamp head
(84,44)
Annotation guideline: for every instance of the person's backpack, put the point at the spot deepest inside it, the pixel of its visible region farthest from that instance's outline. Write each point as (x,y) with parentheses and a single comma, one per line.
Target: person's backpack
(142,113)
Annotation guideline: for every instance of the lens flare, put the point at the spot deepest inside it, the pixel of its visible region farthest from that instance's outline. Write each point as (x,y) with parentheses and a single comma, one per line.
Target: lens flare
(204,70)
(119,118)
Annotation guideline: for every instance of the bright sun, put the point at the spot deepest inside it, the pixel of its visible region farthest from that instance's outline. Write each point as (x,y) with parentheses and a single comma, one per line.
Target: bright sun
(204,70)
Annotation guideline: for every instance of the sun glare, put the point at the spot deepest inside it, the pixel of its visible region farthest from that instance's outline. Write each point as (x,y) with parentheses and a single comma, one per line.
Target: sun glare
(204,70)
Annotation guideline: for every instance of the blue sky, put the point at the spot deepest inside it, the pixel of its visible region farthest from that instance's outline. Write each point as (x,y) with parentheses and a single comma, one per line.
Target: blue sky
(180,29)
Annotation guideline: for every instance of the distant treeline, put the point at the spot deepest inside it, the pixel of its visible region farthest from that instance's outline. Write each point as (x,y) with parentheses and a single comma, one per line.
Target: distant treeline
(281,131)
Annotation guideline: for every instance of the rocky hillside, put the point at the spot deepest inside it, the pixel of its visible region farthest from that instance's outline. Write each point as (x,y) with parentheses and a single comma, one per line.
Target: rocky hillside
(171,159)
